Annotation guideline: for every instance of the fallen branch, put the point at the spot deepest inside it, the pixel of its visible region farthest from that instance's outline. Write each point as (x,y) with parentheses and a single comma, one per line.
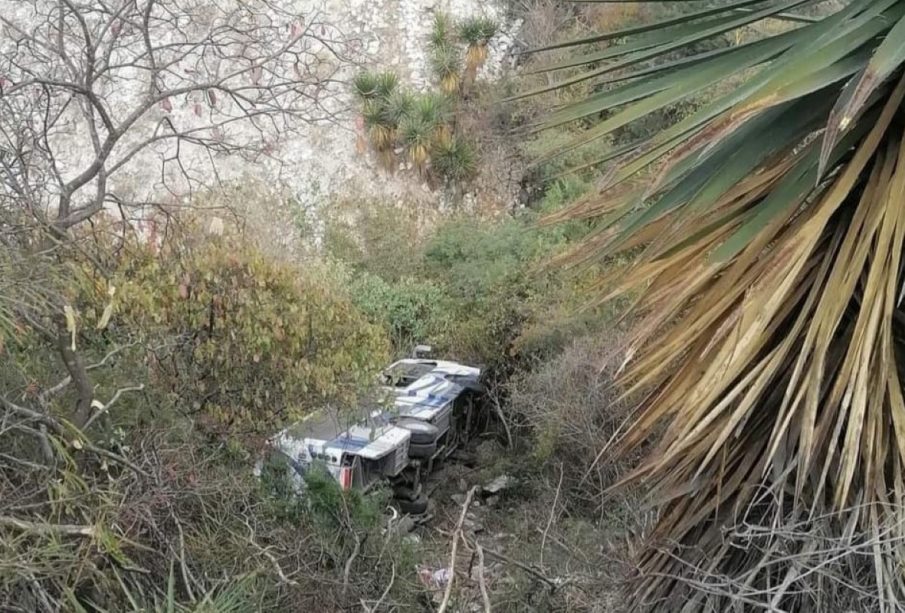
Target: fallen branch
(382,596)
(543,541)
(457,534)
(36,528)
(531,570)
(481,583)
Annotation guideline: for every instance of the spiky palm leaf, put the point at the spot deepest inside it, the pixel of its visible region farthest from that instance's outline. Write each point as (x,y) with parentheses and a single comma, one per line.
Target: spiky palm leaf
(441,31)
(386,83)
(476,32)
(770,229)
(398,104)
(380,132)
(365,85)
(454,159)
(446,66)
(417,135)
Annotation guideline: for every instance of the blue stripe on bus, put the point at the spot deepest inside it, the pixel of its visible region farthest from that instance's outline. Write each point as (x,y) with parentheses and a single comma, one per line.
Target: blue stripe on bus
(349,443)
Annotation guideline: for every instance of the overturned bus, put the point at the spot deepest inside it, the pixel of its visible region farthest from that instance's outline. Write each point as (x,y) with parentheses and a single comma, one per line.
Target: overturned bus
(425,411)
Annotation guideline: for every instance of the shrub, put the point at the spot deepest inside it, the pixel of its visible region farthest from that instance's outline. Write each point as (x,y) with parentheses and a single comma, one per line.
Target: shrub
(412,310)
(234,336)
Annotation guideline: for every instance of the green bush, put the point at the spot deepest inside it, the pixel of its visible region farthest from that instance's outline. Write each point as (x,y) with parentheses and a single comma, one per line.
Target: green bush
(239,339)
(412,310)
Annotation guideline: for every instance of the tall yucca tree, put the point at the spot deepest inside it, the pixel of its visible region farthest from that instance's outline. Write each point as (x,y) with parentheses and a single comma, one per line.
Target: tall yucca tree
(768,228)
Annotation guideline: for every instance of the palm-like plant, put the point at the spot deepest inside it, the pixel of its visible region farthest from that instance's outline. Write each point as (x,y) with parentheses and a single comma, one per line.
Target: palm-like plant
(417,135)
(476,32)
(365,85)
(447,67)
(442,31)
(397,105)
(380,132)
(454,160)
(769,226)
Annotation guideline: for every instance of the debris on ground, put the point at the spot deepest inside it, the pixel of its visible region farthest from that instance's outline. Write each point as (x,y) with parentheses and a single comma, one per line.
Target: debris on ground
(501,483)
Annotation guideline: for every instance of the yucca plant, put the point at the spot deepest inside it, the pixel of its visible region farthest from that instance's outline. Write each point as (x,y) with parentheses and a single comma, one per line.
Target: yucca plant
(397,105)
(381,133)
(386,83)
(442,31)
(417,135)
(476,32)
(769,352)
(454,160)
(435,110)
(365,85)
(446,65)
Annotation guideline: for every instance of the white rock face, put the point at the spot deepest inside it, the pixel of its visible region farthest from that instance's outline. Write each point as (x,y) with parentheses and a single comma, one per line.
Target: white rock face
(321,161)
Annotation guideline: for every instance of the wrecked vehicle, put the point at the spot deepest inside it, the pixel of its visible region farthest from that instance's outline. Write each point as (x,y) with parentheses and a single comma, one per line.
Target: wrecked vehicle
(425,410)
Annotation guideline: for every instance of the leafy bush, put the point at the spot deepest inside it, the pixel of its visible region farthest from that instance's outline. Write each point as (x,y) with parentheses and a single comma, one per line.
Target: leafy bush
(234,336)
(412,310)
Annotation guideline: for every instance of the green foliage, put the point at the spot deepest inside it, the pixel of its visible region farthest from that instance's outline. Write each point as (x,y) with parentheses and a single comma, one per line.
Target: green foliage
(366,84)
(240,339)
(477,30)
(455,160)
(374,236)
(412,310)
(339,511)
(424,124)
(441,30)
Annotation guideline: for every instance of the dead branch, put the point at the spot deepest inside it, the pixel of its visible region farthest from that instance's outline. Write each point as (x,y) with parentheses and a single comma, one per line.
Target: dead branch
(481,583)
(543,540)
(47,529)
(553,584)
(456,535)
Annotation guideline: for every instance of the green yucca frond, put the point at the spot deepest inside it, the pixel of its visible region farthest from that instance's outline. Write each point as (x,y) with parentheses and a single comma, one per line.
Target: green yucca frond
(476,33)
(442,31)
(771,342)
(397,105)
(416,132)
(366,84)
(386,83)
(446,64)
(432,108)
(477,30)
(381,132)
(454,159)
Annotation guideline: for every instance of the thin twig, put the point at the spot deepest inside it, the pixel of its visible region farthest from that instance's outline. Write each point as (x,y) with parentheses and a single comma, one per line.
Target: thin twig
(543,540)
(531,570)
(457,534)
(36,528)
(481,583)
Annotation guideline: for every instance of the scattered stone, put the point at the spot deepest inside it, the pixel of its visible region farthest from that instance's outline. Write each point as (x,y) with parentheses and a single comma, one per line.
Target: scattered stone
(473,525)
(503,482)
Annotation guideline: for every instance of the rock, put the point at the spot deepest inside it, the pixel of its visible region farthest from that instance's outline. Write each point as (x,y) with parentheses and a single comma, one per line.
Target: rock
(503,482)
(459,499)
(473,525)
(492,501)
(406,524)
